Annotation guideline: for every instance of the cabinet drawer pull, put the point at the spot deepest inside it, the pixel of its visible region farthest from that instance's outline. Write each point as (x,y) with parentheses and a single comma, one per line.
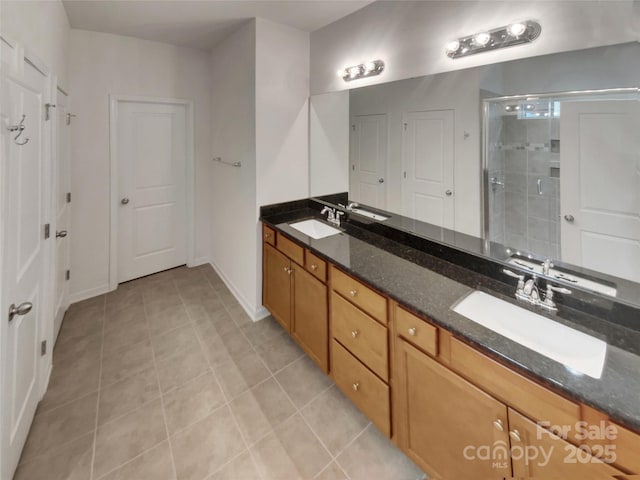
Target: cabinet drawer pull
(353,293)
(355,333)
(356,386)
(412,331)
(314,267)
(515,435)
(498,424)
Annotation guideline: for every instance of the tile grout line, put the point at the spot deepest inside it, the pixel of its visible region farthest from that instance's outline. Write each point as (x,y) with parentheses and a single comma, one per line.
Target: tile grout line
(228,401)
(155,367)
(95,429)
(297,410)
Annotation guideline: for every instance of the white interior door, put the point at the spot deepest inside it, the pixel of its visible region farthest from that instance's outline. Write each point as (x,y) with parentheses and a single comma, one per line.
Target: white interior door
(428,162)
(152,207)
(369,160)
(63,211)
(600,186)
(24,192)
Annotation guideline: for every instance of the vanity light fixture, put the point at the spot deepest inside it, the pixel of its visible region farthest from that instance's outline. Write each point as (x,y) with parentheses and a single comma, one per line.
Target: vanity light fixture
(513,34)
(363,70)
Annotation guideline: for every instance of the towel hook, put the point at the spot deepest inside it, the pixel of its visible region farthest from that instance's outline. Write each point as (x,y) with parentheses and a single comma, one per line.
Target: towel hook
(18,128)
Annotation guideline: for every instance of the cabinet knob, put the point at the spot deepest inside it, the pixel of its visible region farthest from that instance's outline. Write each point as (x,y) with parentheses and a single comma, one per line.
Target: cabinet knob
(356,386)
(353,293)
(288,270)
(412,331)
(267,235)
(515,435)
(498,424)
(355,333)
(314,267)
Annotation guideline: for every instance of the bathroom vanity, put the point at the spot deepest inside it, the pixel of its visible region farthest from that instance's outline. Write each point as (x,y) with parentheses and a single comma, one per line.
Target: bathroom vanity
(461,400)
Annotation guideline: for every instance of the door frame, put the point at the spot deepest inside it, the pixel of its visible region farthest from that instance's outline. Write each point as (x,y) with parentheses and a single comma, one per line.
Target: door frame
(114,101)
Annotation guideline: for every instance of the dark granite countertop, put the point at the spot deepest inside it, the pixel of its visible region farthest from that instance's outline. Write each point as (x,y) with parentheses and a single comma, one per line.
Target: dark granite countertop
(429,286)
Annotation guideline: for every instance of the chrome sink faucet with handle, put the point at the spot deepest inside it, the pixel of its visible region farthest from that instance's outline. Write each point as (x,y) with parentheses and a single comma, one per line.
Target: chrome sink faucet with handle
(527,291)
(332,216)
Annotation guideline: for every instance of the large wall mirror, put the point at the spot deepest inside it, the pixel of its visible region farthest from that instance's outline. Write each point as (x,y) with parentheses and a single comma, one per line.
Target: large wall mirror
(536,158)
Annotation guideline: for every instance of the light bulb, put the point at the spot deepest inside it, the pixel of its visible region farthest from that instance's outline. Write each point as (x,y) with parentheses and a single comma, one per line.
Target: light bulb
(341,73)
(369,67)
(516,29)
(452,46)
(354,71)
(481,39)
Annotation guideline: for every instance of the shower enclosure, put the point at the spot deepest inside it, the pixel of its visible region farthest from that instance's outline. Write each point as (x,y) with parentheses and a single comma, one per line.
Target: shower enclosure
(562,178)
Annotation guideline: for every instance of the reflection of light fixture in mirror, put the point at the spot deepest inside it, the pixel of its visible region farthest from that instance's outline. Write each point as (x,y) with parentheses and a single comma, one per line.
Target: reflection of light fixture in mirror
(513,34)
(363,70)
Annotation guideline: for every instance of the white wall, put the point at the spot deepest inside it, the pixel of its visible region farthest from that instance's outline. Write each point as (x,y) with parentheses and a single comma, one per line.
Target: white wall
(282,123)
(102,64)
(233,137)
(260,82)
(42,28)
(329,143)
(410,35)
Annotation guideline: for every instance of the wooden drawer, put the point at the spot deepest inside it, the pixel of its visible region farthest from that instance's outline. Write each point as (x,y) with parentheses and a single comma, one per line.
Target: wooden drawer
(361,335)
(416,331)
(292,250)
(368,392)
(315,266)
(627,449)
(268,235)
(522,394)
(368,300)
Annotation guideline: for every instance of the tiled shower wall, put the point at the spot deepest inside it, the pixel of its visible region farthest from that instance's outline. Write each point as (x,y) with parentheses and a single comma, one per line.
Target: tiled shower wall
(524,155)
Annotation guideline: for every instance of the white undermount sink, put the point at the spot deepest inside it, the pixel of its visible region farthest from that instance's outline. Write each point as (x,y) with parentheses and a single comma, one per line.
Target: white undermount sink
(576,350)
(315,229)
(367,213)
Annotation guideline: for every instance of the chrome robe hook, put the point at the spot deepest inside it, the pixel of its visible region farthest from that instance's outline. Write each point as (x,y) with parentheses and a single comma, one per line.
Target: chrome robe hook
(18,128)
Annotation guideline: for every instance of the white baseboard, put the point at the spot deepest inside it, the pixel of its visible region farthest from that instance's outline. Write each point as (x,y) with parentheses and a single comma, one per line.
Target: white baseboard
(88,293)
(198,261)
(254,314)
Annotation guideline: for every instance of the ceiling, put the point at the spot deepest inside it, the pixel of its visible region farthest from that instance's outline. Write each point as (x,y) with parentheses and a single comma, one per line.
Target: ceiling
(200,24)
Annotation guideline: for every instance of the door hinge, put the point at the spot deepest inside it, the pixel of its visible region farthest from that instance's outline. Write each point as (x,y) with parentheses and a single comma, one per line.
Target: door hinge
(353,127)
(48,107)
(405,174)
(67,275)
(405,126)
(43,348)
(68,197)
(47,231)
(69,115)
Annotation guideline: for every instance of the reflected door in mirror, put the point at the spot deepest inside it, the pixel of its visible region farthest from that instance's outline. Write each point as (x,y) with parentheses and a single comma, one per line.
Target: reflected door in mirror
(368,160)
(428,162)
(600,186)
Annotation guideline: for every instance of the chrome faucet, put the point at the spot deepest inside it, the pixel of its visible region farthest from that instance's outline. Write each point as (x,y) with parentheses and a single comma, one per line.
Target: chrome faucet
(546,265)
(528,291)
(332,215)
(350,206)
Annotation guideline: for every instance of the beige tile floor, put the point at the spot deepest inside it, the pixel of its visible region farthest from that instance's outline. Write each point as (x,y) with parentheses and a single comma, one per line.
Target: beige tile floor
(168,379)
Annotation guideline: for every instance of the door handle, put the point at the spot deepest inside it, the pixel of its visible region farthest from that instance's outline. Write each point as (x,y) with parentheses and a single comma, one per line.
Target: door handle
(448,193)
(569,218)
(21,309)
(61,234)
(124,201)
(381,180)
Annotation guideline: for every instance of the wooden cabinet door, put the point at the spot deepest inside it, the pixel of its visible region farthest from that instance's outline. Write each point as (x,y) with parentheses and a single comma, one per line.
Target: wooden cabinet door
(310,325)
(536,452)
(448,426)
(276,285)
